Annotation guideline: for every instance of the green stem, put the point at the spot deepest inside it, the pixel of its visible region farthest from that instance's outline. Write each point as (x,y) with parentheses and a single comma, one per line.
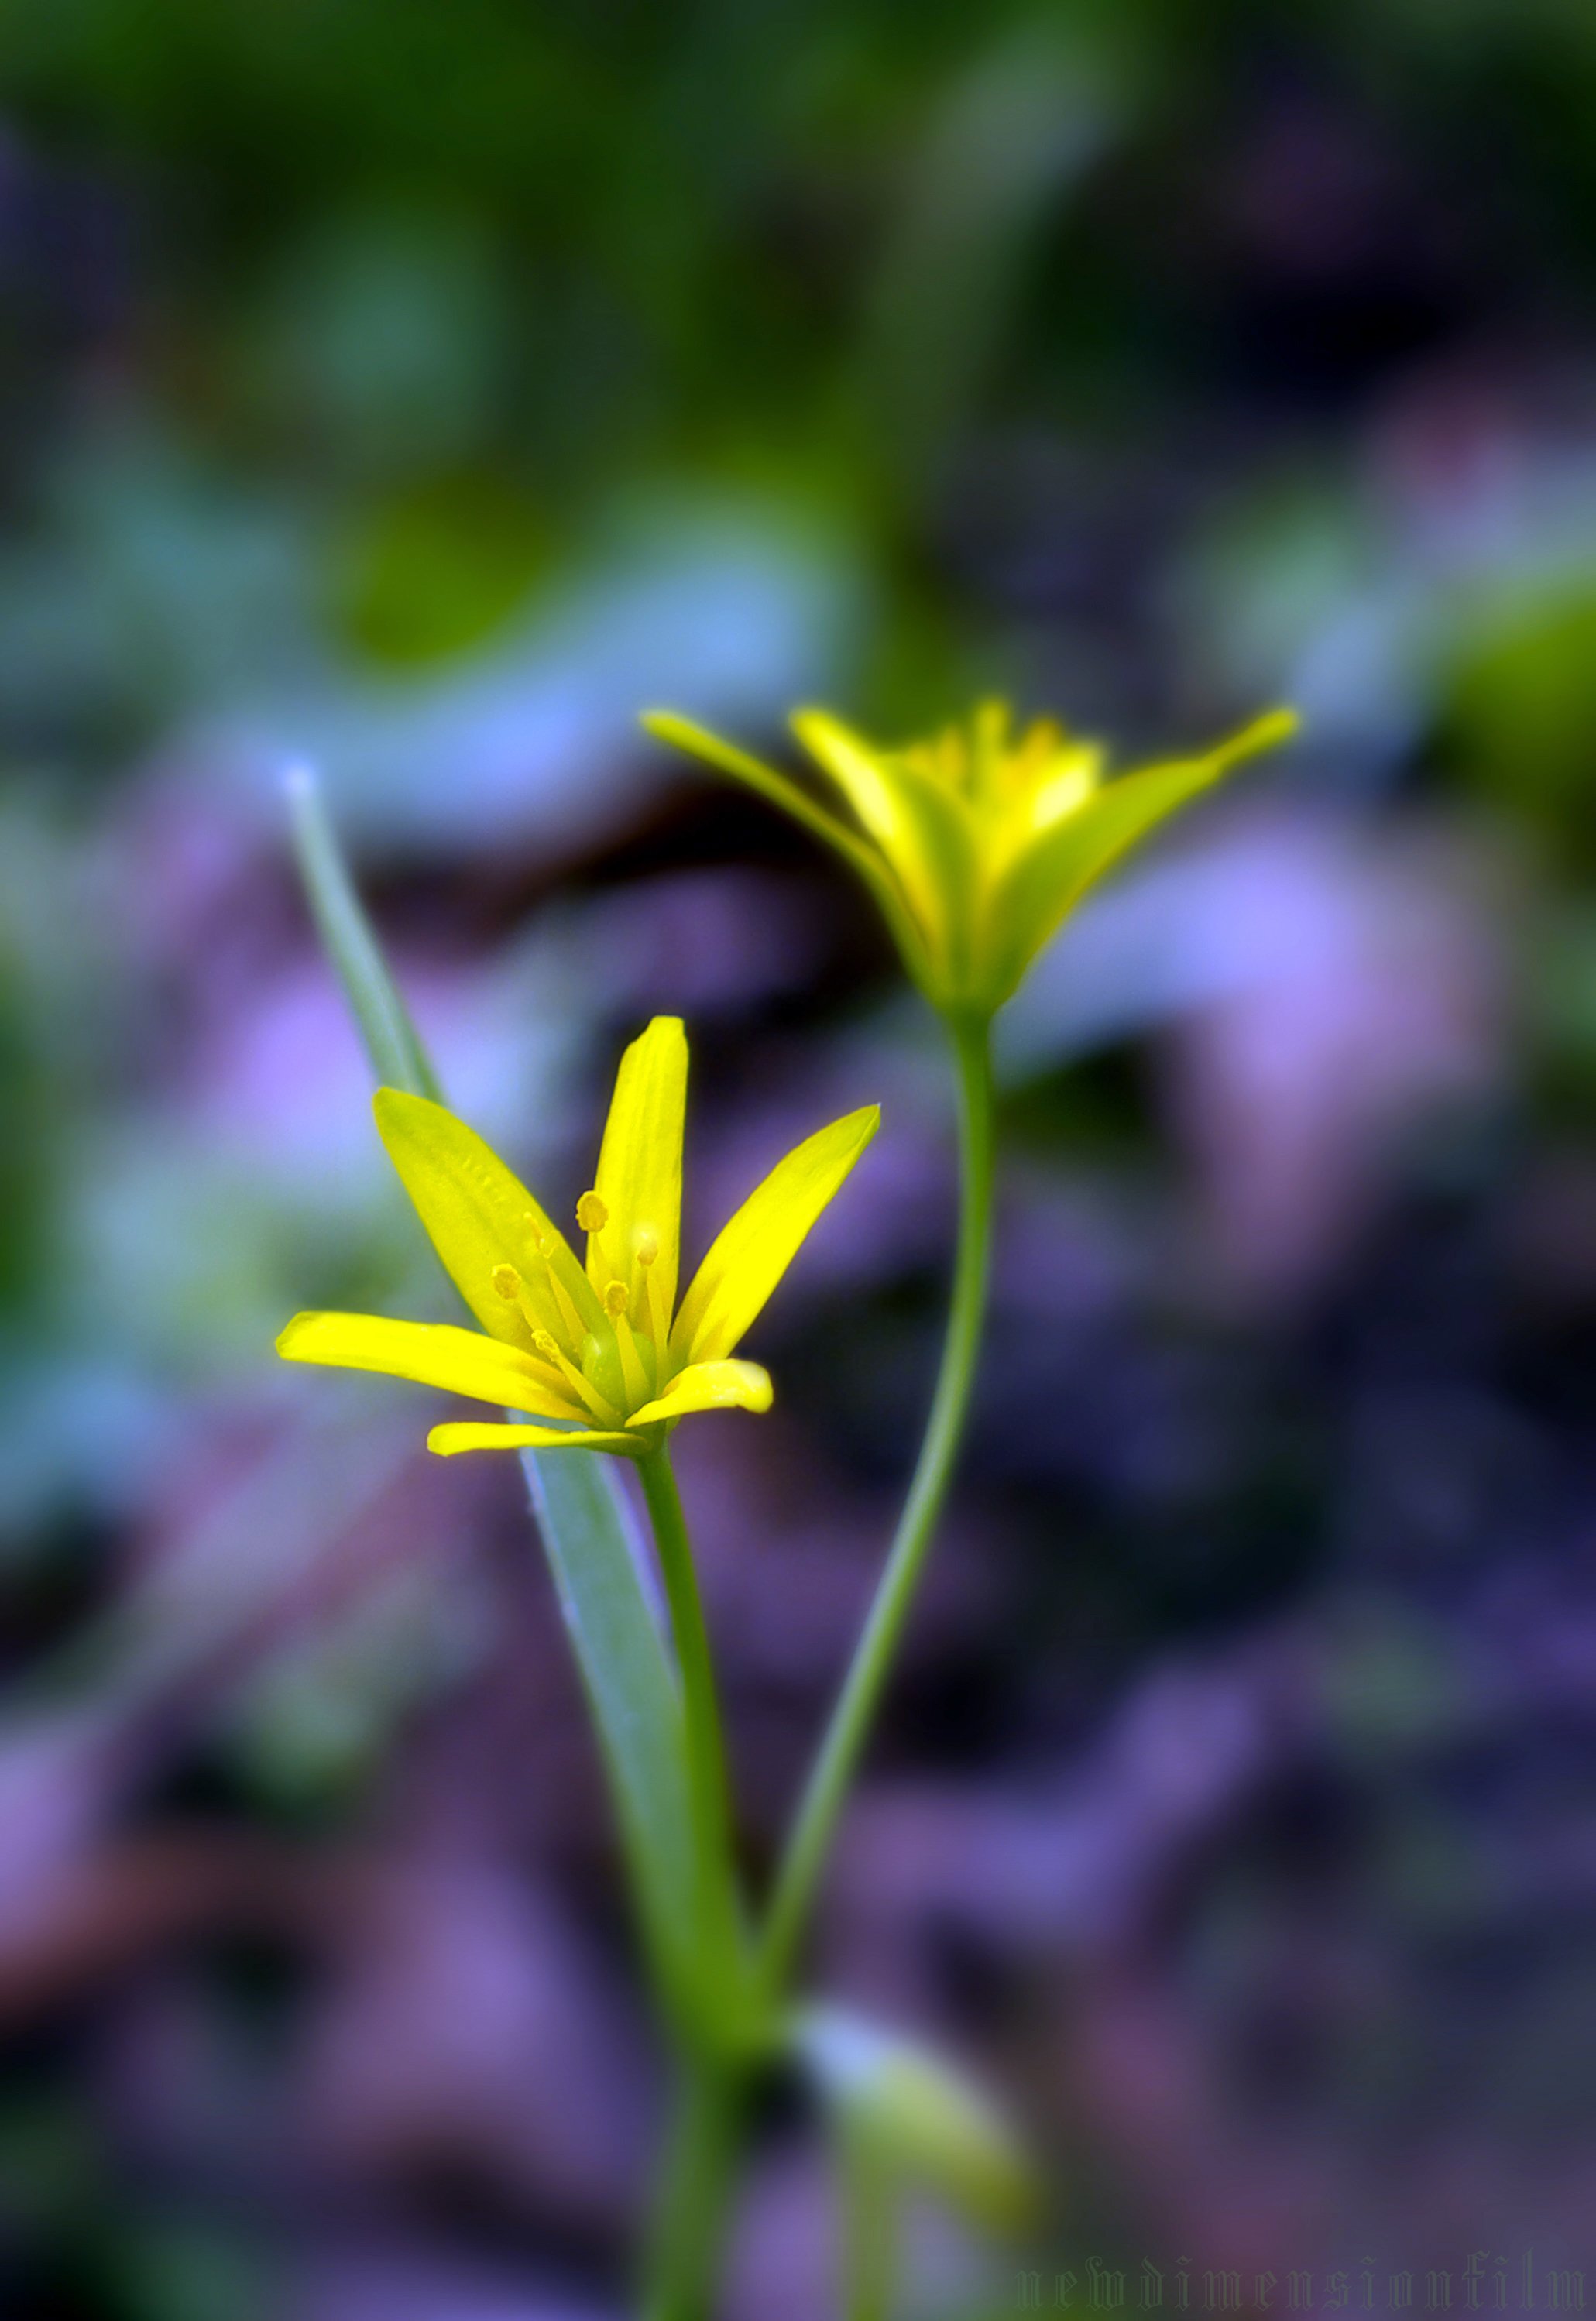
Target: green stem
(697,2179)
(695,2188)
(845,1736)
(708,1790)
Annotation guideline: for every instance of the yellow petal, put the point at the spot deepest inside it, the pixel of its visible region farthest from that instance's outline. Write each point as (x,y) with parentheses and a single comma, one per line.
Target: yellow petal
(665,726)
(1051,875)
(639,1178)
(921,825)
(479,1216)
(858,771)
(433,1353)
(475,1435)
(683,735)
(1064,784)
(753,1252)
(709,1385)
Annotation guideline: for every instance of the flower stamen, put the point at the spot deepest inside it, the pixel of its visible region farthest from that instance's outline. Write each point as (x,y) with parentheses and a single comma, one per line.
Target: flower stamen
(598,1404)
(509,1285)
(575,1327)
(575,1305)
(646,1249)
(634,1376)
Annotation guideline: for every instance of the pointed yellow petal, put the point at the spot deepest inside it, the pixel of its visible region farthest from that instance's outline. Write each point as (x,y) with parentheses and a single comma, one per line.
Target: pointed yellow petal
(858,771)
(1063,783)
(468,1435)
(683,735)
(639,1178)
(709,1385)
(921,825)
(754,1249)
(431,1353)
(479,1216)
(1051,875)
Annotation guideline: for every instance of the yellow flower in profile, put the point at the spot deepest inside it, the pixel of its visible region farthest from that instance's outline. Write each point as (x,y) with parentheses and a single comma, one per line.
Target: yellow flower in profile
(977,842)
(598,1354)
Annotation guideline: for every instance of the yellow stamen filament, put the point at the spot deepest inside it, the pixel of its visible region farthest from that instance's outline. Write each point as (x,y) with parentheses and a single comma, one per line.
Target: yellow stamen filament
(597,1405)
(633,1377)
(576,1328)
(550,1383)
(515,1291)
(573,1294)
(647,1249)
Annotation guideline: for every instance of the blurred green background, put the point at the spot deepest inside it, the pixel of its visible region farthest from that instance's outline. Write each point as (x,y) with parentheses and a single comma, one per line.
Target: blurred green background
(422,390)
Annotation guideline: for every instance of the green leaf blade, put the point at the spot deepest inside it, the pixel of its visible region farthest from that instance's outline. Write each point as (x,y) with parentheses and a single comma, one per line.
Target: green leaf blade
(390,1038)
(597,1562)
(592,1543)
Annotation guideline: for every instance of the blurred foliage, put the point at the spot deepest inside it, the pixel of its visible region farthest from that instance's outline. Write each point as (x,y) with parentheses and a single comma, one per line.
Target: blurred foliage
(427,385)
(452,279)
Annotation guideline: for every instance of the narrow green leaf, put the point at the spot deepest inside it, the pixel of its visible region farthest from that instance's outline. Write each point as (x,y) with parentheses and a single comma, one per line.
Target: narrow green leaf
(596,1559)
(589,1538)
(397,1056)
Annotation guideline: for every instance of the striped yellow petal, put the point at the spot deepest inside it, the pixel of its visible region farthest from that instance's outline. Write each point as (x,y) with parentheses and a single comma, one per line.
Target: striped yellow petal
(727,759)
(923,827)
(476,1436)
(431,1353)
(639,1178)
(1068,780)
(709,1385)
(753,1252)
(480,1218)
(1052,875)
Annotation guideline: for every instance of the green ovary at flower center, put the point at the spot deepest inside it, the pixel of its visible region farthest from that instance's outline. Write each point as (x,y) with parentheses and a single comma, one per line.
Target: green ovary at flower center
(603,1359)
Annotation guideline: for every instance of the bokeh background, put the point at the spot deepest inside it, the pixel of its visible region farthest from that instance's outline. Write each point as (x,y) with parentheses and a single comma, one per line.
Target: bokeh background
(423,387)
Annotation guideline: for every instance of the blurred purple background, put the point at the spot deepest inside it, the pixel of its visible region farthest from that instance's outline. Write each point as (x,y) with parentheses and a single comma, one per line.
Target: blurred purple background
(423,389)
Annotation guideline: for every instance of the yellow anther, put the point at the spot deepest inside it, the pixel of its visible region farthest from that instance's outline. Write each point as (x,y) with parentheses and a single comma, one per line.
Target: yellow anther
(645,1244)
(506,1281)
(592,1213)
(614,1300)
(545,1343)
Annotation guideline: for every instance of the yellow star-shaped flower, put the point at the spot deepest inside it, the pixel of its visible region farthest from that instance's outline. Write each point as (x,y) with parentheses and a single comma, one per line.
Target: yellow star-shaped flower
(977,842)
(599,1355)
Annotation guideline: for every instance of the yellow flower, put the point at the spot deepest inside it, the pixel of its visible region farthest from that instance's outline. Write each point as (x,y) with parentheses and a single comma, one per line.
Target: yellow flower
(977,842)
(600,1352)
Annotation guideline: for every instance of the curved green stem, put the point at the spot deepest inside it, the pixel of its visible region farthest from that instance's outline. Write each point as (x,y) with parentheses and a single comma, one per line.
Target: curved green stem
(697,2180)
(873,1656)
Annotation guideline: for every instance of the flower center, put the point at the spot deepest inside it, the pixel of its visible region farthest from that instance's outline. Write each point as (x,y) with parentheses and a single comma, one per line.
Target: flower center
(610,1359)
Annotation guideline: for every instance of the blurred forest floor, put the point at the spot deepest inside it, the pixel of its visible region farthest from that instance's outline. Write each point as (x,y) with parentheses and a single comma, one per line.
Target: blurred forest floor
(424,389)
